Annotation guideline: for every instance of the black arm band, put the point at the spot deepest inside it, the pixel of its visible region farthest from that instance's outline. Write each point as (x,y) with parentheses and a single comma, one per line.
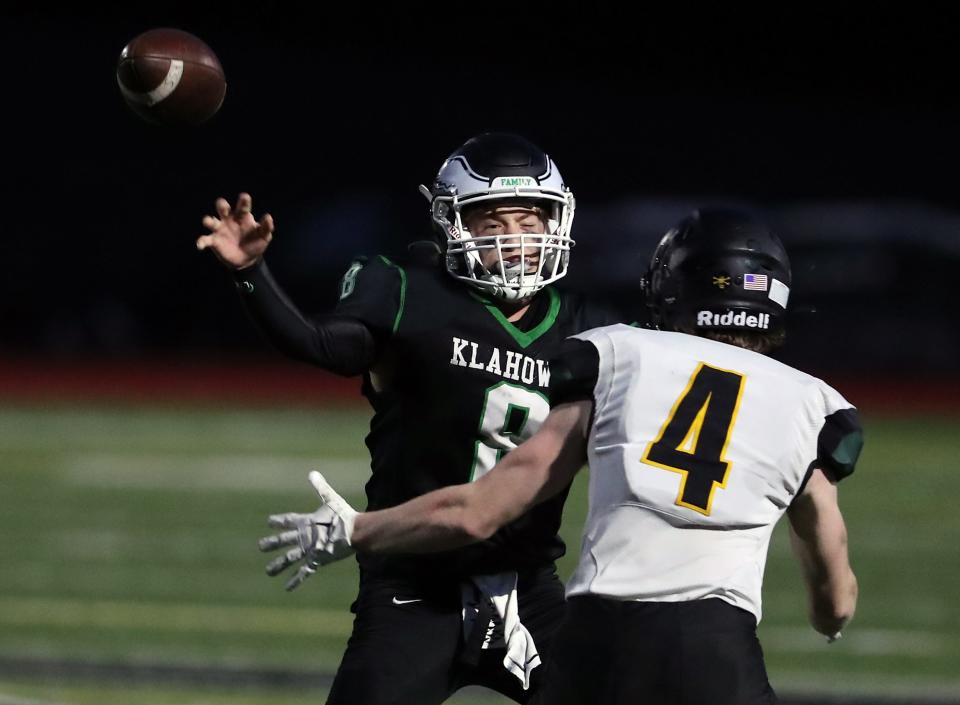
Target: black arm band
(340,344)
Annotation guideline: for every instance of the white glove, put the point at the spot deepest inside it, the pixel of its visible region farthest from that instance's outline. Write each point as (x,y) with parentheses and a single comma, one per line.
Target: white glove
(319,538)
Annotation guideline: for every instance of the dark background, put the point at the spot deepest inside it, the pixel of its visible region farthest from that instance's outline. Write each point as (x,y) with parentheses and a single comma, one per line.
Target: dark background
(839,128)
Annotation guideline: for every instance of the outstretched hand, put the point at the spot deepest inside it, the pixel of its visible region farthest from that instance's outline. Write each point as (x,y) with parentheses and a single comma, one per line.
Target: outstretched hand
(236,237)
(317,539)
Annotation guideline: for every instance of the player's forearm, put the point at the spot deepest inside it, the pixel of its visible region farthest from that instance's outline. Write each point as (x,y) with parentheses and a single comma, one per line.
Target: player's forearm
(437,521)
(339,344)
(831,598)
(832,604)
(456,516)
(832,588)
(818,536)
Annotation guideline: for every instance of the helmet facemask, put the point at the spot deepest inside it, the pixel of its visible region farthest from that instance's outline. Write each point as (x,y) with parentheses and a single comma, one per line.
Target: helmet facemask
(525,262)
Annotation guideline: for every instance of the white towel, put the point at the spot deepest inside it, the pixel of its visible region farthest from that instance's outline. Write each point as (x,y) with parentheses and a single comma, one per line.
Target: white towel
(501,590)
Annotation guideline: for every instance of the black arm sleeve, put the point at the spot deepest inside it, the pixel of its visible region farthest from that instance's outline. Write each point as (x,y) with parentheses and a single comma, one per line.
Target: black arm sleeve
(341,344)
(840,442)
(574,372)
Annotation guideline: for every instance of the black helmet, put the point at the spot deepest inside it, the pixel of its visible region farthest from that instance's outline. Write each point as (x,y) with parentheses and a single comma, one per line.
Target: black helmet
(719,269)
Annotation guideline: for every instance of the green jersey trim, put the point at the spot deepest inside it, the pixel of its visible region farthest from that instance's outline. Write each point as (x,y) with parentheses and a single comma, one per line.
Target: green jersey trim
(524,338)
(403,291)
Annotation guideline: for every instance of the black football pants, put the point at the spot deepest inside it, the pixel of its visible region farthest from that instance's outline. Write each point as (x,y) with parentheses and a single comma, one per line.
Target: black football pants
(408,649)
(702,652)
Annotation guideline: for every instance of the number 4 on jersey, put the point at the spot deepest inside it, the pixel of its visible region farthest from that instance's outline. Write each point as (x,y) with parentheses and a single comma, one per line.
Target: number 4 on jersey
(694,438)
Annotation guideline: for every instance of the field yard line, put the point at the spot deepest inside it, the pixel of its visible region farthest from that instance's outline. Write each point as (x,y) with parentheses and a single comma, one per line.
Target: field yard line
(246,472)
(864,642)
(52,612)
(887,689)
(16,700)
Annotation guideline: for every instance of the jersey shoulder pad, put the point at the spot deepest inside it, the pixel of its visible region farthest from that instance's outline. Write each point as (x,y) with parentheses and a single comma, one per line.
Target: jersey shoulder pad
(372,290)
(607,336)
(370,270)
(423,253)
(593,312)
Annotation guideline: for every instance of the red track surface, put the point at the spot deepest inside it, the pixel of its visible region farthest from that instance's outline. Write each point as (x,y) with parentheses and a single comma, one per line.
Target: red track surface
(173,382)
(279,382)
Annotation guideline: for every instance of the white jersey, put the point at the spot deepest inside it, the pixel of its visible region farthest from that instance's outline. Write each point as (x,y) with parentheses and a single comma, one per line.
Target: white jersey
(696,450)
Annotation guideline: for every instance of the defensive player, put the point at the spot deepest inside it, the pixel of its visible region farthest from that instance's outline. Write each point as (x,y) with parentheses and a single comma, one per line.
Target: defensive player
(697,444)
(454,358)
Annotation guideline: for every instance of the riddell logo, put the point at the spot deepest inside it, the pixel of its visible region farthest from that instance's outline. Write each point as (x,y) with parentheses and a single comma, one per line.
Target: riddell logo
(740,319)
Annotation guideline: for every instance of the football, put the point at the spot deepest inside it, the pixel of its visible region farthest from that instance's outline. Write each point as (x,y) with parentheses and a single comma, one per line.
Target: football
(171,77)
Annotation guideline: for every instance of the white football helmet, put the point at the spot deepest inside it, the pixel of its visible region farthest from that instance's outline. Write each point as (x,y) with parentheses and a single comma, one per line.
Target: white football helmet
(502,167)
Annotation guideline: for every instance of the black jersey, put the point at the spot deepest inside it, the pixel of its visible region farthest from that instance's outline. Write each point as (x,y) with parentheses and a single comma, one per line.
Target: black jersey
(463,386)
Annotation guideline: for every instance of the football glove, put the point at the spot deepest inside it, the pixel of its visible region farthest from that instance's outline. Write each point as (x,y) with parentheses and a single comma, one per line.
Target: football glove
(317,539)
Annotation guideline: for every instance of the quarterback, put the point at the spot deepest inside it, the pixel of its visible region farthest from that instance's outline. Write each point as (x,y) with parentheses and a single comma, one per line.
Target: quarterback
(697,444)
(454,354)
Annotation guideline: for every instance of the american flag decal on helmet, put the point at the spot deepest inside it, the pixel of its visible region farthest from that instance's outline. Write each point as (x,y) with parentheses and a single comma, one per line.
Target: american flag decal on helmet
(755,282)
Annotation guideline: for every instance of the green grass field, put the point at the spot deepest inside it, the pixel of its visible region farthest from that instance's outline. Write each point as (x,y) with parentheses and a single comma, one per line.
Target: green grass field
(129,535)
